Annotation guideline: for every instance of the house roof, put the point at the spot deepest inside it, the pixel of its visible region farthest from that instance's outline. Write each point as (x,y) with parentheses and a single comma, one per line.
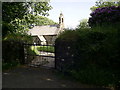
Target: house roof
(44,30)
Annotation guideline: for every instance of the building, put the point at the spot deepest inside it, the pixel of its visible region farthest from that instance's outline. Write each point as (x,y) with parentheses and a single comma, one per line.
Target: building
(47,34)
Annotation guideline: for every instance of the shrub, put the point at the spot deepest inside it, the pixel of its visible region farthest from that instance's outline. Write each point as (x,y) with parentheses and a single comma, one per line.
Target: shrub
(96,54)
(68,35)
(13,48)
(12,51)
(65,50)
(94,76)
(9,65)
(105,15)
(18,38)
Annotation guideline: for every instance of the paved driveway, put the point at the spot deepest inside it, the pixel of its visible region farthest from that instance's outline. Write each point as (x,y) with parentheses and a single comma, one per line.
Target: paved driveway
(26,77)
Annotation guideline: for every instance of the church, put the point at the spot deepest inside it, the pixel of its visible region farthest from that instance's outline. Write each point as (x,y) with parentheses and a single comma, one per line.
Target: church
(46,34)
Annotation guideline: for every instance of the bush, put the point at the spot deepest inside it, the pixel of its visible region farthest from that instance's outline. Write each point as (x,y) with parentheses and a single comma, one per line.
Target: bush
(96,54)
(13,49)
(105,15)
(9,65)
(95,76)
(18,38)
(12,52)
(68,35)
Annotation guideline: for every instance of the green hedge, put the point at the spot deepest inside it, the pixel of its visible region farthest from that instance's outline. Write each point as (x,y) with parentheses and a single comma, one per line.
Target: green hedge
(13,50)
(96,54)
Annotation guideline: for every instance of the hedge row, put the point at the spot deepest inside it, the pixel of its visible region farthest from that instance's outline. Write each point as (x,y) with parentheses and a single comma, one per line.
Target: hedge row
(90,55)
(12,51)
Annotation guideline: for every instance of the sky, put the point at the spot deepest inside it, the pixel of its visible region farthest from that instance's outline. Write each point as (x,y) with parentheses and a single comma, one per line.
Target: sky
(73,10)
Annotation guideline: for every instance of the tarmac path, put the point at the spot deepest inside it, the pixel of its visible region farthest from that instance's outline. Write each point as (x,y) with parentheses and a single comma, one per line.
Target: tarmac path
(29,77)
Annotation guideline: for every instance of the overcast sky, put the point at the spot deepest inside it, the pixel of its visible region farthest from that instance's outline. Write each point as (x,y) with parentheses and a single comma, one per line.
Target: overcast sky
(73,11)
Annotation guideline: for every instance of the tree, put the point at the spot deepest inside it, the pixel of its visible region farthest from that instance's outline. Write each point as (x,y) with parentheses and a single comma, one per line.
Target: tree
(29,21)
(12,10)
(103,12)
(40,20)
(104,3)
(15,13)
(105,15)
(83,24)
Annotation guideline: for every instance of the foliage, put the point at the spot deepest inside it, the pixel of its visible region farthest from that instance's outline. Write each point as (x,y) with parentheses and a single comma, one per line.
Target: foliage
(12,10)
(6,66)
(94,76)
(12,51)
(96,54)
(19,15)
(21,26)
(18,38)
(40,20)
(6,28)
(105,15)
(68,35)
(104,3)
(83,24)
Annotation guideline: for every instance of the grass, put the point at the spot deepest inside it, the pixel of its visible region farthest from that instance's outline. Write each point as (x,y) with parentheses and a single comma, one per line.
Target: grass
(37,49)
(46,48)
(34,49)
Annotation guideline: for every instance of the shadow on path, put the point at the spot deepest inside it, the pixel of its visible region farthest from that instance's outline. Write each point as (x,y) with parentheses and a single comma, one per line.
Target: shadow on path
(26,77)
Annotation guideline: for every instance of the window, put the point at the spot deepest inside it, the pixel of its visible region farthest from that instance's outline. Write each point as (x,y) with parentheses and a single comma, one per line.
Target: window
(59,20)
(62,19)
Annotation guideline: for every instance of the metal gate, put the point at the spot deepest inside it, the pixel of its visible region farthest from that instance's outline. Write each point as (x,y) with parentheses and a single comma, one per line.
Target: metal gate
(37,55)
